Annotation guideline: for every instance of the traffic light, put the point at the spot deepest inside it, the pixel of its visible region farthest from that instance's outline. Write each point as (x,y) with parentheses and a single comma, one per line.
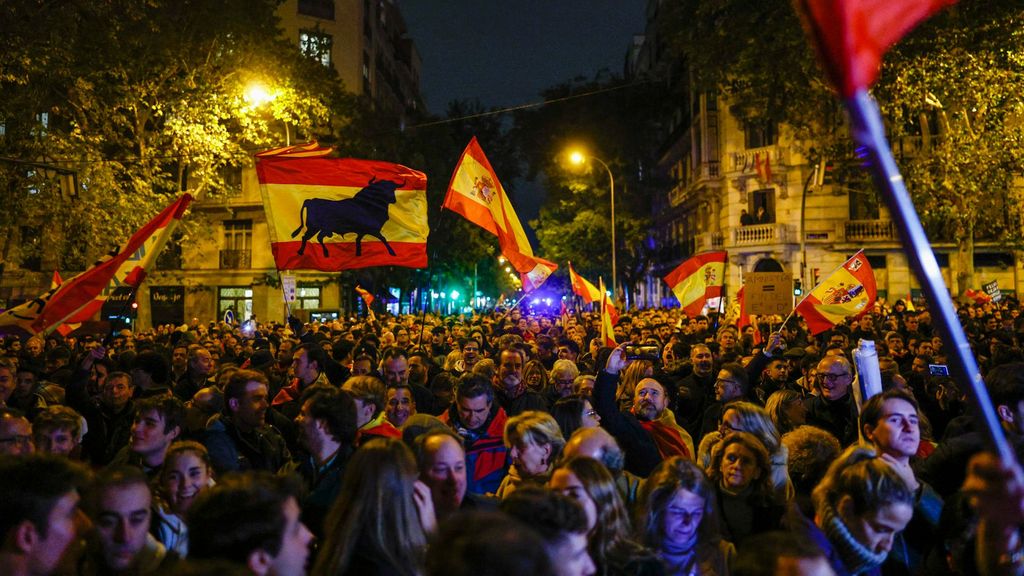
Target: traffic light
(798,289)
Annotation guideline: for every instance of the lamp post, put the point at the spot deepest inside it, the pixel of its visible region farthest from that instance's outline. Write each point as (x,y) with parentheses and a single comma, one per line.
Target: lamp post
(579,158)
(257,95)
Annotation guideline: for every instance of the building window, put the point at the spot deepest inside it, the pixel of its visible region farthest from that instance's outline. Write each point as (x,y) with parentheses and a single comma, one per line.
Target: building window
(237,252)
(308,297)
(317,8)
(316,45)
(758,135)
(238,299)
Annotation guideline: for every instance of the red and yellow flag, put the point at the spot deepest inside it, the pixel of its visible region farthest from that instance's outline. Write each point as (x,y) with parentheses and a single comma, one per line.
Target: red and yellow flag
(609,318)
(365,295)
(699,278)
(341,213)
(849,291)
(79,298)
(475,193)
(582,288)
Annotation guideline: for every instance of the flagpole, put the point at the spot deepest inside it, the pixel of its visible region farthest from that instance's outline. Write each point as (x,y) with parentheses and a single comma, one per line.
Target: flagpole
(869,132)
(513,307)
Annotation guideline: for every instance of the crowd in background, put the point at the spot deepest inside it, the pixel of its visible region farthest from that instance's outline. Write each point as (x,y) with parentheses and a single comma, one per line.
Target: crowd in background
(509,442)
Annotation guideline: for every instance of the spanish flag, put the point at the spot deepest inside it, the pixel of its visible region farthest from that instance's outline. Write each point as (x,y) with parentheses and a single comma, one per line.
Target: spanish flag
(849,291)
(79,298)
(698,279)
(475,193)
(582,288)
(340,213)
(609,318)
(365,295)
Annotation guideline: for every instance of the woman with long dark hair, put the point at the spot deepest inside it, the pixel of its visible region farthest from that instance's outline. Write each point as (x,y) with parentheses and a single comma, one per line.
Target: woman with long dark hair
(609,532)
(379,523)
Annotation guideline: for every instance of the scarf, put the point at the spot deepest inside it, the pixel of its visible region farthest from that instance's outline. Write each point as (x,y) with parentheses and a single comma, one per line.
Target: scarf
(669,437)
(855,556)
(681,560)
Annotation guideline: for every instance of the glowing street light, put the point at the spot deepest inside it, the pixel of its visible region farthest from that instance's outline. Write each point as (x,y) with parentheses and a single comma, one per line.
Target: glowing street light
(578,158)
(257,94)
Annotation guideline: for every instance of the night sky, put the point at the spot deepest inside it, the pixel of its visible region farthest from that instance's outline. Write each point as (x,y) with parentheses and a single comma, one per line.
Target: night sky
(504,52)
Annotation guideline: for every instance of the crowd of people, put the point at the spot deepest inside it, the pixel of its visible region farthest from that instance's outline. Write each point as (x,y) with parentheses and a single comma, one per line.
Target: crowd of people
(511,443)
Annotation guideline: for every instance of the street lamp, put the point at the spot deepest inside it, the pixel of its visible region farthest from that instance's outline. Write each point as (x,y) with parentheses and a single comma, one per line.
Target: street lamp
(257,94)
(578,158)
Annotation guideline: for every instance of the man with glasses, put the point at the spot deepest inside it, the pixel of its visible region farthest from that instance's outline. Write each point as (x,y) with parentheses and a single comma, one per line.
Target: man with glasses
(834,410)
(732,385)
(15,433)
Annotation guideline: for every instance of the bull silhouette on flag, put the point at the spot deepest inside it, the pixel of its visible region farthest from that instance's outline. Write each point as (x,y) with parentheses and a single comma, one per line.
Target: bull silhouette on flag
(333,200)
(363,215)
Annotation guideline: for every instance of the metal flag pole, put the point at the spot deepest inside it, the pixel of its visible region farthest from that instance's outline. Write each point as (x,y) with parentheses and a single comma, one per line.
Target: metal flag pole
(869,133)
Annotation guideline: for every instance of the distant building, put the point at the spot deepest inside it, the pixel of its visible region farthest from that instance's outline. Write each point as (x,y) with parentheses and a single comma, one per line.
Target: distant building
(810,224)
(366,41)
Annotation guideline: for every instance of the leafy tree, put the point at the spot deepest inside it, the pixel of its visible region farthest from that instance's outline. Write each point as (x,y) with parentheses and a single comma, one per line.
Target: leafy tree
(950,90)
(143,100)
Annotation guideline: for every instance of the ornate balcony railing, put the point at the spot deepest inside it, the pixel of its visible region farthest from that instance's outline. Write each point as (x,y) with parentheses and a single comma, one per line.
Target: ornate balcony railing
(761,234)
(871,231)
(235,259)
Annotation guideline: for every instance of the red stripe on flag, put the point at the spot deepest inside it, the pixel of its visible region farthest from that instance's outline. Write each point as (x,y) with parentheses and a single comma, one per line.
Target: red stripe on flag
(337,172)
(342,255)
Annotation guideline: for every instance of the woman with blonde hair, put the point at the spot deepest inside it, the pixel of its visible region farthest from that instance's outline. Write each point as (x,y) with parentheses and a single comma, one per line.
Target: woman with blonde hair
(379,523)
(787,410)
(534,443)
(860,506)
(609,532)
(678,519)
(535,376)
(751,418)
(630,377)
(740,472)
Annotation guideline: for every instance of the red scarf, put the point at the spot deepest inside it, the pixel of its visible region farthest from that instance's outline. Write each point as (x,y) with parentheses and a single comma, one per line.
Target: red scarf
(668,438)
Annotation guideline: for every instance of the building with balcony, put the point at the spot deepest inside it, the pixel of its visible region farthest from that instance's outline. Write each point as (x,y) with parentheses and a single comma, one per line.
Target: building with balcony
(718,167)
(367,43)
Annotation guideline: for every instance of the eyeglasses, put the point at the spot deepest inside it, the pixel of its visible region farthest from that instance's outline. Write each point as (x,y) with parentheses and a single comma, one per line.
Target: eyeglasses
(19,439)
(591,413)
(830,377)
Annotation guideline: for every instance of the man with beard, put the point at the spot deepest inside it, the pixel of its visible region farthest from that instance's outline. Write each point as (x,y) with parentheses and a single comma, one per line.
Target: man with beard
(834,410)
(481,423)
(470,354)
(239,439)
(696,390)
(513,395)
(648,432)
(327,432)
(732,385)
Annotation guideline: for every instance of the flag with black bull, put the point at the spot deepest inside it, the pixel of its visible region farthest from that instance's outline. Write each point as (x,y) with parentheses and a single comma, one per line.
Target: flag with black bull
(340,213)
